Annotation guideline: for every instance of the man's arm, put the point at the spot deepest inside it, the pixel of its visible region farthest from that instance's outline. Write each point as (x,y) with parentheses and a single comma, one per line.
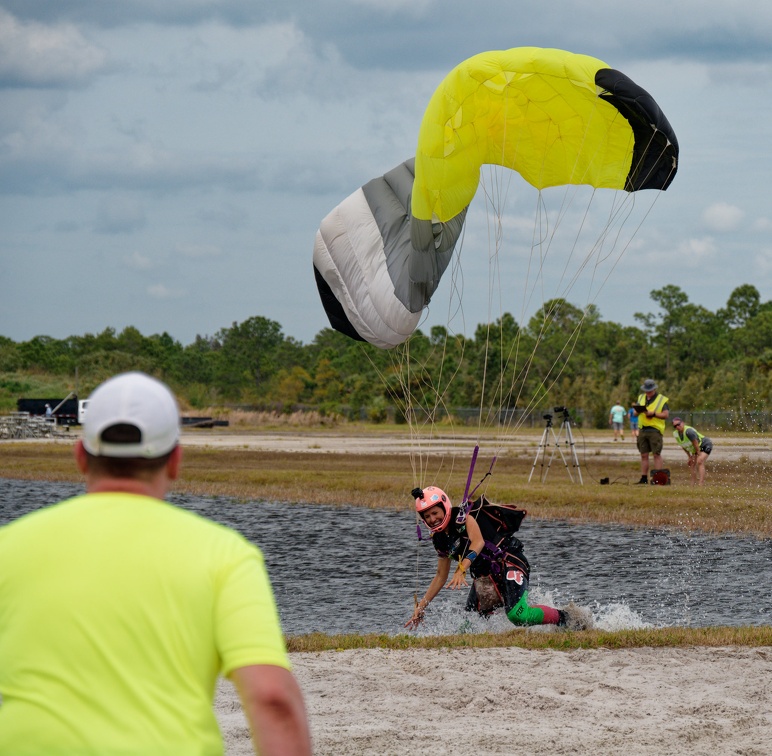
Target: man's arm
(273,705)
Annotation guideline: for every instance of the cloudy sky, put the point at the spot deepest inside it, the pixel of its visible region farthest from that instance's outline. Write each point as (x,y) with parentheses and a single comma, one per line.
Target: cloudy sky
(166,165)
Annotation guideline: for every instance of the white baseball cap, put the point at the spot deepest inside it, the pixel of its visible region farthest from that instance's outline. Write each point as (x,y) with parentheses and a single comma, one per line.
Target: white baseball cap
(133,399)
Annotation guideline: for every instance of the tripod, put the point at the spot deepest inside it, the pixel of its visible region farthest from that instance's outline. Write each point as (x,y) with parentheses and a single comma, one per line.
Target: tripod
(549,433)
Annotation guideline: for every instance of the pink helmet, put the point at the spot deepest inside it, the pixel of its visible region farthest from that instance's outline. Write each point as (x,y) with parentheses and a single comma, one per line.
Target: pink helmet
(430,497)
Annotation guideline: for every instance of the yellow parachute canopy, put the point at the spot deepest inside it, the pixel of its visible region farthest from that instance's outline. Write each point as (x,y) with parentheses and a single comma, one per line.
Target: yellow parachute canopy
(543,113)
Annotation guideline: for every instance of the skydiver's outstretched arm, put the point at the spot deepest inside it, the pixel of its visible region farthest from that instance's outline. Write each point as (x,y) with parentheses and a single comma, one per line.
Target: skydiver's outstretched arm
(438,581)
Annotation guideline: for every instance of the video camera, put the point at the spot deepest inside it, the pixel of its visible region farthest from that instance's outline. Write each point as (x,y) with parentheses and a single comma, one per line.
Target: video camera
(563,411)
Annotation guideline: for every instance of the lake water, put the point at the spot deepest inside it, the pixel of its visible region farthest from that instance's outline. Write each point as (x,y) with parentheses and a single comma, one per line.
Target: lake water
(353,570)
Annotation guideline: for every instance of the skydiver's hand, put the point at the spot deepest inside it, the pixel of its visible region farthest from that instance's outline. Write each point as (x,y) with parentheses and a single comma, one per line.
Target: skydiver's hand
(458,580)
(415,620)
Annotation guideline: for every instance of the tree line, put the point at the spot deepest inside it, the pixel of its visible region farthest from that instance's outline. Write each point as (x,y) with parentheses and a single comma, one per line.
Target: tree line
(563,355)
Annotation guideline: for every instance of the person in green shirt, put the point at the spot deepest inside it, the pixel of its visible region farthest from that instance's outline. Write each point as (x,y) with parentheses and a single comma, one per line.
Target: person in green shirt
(696,446)
(616,419)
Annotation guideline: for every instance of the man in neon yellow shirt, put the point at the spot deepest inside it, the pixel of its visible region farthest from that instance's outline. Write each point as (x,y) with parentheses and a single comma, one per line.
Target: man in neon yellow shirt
(652,410)
(118,610)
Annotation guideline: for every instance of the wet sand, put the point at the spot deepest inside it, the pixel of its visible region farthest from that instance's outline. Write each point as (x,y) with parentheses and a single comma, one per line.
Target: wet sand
(512,700)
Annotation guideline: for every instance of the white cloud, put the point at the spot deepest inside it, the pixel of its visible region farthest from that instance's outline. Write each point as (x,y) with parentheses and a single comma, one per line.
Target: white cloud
(393,7)
(763,261)
(696,251)
(34,54)
(161,291)
(722,217)
(138,261)
(762,224)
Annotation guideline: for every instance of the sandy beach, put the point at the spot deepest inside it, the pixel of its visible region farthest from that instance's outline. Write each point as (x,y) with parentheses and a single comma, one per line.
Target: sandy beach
(512,700)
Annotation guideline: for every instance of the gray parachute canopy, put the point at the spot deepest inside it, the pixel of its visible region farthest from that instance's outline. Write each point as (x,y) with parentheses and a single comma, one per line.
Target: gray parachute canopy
(375,267)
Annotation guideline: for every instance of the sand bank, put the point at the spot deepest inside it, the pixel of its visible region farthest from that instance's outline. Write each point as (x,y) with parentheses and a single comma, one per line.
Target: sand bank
(511,700)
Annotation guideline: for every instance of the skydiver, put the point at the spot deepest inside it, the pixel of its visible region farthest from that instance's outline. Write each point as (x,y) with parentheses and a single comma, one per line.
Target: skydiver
(484,544)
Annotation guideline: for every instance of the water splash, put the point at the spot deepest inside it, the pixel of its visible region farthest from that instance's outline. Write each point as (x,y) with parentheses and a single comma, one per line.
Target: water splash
(450,618)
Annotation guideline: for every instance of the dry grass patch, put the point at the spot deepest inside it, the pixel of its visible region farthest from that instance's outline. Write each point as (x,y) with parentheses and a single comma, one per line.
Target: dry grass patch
(736,499)
(669,637)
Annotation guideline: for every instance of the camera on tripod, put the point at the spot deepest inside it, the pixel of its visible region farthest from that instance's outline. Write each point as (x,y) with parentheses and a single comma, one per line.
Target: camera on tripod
(550,439)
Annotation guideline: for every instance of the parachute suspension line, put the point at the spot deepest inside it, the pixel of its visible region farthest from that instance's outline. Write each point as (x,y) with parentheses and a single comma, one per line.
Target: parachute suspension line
(571,341)
(538,236)
(426,396)
(400,372)
(654,132)
(617,217)
(629,241)
(465,500)
(495,271)
(491,404)
(507,356)
(601,250)
(444,383)
(541,236)
(569,197)
(493,264)
(496,199)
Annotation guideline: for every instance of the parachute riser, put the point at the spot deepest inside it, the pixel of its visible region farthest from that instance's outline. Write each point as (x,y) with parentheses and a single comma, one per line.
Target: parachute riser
(468,501)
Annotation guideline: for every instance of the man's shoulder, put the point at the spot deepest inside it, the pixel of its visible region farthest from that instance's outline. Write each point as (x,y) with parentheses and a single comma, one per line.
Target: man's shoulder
(122,505)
